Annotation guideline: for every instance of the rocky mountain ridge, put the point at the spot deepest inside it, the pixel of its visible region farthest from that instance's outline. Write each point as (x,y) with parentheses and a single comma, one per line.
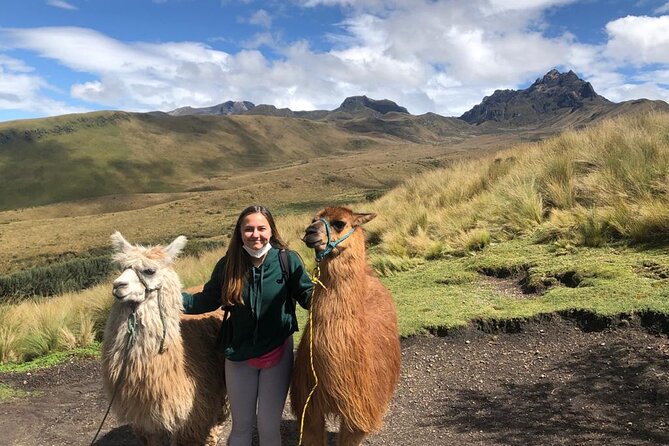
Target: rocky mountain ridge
(351,106)
(554,99)
(225,109)
(553,94)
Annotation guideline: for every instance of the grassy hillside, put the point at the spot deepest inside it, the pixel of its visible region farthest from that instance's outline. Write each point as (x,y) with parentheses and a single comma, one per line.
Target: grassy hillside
(96,154)
(38,236)
(603,185)
(579,223)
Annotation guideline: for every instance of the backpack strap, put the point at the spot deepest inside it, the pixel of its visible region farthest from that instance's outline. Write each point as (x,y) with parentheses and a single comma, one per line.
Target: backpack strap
(284,263)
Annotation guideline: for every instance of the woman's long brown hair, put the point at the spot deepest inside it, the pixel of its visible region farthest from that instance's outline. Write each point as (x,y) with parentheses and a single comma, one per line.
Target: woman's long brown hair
(238,261)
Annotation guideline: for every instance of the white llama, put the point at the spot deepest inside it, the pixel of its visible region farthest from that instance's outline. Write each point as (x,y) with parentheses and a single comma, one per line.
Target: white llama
(161,368)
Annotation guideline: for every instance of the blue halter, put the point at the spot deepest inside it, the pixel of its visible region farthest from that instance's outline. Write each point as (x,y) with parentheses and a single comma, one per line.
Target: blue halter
(330,244)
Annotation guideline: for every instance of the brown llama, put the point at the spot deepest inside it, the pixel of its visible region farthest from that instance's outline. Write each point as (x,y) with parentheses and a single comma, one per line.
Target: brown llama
(161,368)
(355,343)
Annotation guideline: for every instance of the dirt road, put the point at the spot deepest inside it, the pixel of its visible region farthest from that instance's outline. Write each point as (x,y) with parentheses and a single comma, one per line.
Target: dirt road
(549,384)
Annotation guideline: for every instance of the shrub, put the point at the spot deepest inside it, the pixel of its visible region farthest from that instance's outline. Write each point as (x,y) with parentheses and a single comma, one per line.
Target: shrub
(56,279)
(476,239)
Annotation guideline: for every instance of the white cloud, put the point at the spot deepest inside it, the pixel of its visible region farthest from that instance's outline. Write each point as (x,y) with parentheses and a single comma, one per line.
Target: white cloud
(519,5)
(440,56)
(21,89)
(628,91)
(658,76)
(639,40)
(14,65)
(662,9)
(61,4)
(256,41)
(261,18)
(487,6)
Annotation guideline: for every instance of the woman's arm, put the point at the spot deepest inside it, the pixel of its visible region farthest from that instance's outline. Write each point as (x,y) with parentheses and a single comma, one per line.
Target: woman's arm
(300,281)
(209,299)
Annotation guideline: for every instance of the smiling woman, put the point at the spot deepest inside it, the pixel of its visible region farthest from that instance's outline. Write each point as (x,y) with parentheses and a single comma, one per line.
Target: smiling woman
(258,293)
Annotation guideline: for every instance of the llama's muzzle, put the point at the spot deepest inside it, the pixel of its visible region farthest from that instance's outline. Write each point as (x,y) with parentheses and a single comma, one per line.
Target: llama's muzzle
(118,290)
(312,237)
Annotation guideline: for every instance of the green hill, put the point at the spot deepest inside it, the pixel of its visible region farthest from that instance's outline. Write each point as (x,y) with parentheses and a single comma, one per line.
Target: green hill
(91,155)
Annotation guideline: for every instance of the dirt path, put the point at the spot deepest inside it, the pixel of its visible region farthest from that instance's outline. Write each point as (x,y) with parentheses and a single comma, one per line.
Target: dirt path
(550,384)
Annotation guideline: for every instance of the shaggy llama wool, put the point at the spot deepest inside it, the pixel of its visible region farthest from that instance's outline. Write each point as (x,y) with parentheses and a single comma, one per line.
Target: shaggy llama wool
(164,373)
(355,343)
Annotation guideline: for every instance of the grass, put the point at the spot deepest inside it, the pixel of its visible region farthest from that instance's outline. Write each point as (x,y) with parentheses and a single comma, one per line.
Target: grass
(8,393)
(602,185)
(581,221)
(32,329)
(105,153)
(450,293)
(51,359)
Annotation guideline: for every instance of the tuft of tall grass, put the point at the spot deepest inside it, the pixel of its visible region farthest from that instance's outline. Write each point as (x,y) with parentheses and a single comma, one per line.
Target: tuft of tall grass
(476,239)
(37,327)
(517,205)
(197,270)
(556,171)
(9,350)
(387,265)
(589,187)
(643,222)
(592,227)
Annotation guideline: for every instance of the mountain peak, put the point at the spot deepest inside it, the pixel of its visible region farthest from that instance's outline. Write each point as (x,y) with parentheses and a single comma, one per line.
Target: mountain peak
(225,108)
(382,106)
(553,94)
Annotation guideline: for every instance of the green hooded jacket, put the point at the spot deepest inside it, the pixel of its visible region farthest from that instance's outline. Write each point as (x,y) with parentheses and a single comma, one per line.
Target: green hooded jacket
(267,317)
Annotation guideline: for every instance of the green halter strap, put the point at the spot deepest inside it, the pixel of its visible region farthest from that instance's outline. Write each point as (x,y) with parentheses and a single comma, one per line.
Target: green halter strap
(330,245)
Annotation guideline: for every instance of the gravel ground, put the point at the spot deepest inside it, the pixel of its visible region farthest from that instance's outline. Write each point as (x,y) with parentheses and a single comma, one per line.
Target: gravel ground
(548,383)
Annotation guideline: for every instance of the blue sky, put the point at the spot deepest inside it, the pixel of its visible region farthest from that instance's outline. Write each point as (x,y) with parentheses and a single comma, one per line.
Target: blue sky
(442,56)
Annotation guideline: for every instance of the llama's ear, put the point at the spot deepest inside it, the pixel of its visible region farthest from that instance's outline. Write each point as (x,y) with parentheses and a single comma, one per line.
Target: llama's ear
(361,219)
(174,248)
(119,243)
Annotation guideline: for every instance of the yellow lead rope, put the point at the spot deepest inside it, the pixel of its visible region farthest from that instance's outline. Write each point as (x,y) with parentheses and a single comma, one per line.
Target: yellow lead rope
(315,279)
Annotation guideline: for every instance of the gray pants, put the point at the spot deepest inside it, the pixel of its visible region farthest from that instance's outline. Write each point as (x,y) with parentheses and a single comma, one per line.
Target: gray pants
(261,390)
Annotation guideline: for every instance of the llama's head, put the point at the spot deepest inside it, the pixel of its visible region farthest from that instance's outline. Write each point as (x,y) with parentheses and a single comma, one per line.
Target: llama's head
(329,231)
(144,268)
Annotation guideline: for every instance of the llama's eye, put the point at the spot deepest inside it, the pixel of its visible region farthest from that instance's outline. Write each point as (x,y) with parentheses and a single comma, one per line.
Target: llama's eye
(149,272)
(338,225)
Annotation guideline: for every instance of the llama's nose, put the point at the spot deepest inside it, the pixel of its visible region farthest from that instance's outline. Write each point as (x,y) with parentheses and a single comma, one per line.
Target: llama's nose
(311,230)
(119,284)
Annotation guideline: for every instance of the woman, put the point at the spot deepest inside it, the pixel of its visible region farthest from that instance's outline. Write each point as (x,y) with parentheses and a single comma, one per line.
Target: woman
(249,282)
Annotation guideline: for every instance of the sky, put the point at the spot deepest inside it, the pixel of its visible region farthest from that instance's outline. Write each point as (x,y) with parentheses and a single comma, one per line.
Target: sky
(441,56)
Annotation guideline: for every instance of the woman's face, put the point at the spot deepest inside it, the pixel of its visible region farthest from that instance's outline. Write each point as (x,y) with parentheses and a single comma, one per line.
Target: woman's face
(256,231)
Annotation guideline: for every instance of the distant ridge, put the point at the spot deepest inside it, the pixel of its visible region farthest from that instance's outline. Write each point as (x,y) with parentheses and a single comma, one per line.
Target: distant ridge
(357,103)
(554,94)
(554,101)
(353,106)
(226,108)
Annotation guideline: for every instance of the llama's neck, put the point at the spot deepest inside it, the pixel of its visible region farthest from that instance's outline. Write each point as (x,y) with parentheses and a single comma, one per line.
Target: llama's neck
(348,265)
(344,280)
